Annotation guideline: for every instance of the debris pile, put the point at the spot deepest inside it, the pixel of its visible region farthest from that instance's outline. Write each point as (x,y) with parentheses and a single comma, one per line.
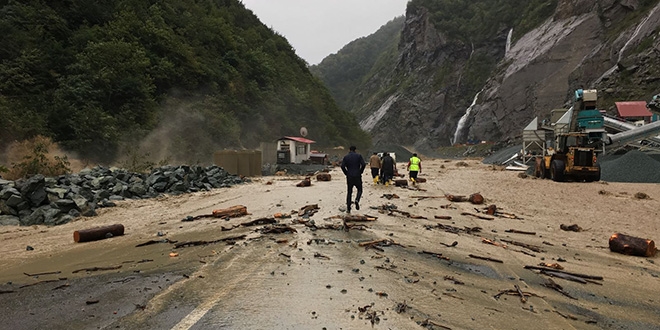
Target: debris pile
(54,201)
(633,166)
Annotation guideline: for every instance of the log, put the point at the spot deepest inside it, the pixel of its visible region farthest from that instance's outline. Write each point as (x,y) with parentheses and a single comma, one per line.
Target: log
(443,217)
(359,218)
(420,180)
(304,183)
(591,277)
(456,198)
(231,212)
(323,177)
(492,209)
(98,233)
(632,245)
(476,198)
(401,183)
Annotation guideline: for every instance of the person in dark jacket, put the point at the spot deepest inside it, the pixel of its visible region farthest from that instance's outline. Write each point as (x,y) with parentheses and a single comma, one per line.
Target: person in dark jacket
(353,165)
(387,169)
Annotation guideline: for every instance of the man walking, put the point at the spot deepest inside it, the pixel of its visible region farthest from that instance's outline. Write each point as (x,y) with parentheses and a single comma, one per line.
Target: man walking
(374,164)
(414,167)
(353,165)
(388,168)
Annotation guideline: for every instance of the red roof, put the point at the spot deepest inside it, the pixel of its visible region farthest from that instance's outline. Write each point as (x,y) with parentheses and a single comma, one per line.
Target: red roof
(632,109)
(303,140)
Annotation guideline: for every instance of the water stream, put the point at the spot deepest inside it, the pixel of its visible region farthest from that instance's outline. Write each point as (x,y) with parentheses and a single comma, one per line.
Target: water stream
(463,120)
(508,42)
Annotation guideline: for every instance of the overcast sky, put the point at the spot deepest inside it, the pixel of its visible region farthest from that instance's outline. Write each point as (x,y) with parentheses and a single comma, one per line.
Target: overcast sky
(318,28)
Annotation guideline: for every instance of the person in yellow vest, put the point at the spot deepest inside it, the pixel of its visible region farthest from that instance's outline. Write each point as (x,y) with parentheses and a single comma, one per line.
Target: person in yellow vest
(414,167)
(374,164)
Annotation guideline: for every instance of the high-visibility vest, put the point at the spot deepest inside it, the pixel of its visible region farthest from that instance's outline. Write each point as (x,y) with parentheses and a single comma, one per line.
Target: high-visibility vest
(414,163)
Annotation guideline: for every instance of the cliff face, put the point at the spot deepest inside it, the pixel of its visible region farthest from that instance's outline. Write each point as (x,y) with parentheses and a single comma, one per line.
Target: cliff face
(572,50)
(610,45)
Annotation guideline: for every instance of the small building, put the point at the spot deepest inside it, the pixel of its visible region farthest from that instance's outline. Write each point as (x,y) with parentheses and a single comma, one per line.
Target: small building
(293,150)
(318,158)
(633,111)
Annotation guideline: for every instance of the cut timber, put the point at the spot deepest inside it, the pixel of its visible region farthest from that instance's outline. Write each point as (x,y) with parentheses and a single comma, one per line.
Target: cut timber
(632,245)
(401,183)
(359,218)
(304,183)
(231,212)
(476,198)
(323,177)
(456,198)
(98,233)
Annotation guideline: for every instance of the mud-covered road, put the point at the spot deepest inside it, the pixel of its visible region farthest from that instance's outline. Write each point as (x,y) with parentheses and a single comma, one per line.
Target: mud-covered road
(421,276)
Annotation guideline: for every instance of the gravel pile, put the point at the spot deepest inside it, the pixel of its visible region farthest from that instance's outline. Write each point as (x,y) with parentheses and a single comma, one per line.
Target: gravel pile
(633,166)
(54,201)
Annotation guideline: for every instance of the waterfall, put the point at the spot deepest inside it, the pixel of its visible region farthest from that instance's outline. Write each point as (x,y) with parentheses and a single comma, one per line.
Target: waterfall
(463,120)
(625,46)
(508,42)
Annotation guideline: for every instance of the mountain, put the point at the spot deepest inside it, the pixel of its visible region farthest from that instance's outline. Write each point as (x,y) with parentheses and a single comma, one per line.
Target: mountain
(506,61)
(175,78)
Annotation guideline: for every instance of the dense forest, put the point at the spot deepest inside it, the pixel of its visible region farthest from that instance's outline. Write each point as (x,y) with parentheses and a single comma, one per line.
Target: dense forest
(102,76)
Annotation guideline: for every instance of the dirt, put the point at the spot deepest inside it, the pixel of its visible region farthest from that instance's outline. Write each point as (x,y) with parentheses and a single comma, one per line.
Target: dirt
(324,278)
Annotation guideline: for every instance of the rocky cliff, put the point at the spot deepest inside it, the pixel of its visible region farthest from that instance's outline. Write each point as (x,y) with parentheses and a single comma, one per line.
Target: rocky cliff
(495,87)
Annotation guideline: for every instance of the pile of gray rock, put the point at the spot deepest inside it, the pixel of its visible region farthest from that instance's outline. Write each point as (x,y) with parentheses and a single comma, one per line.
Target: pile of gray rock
(54,201)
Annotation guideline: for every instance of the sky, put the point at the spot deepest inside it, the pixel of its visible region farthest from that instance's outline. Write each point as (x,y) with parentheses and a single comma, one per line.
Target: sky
(318,28)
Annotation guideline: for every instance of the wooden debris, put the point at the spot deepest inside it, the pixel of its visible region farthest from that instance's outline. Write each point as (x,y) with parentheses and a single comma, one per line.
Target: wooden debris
(451,295)
(476,198)
(485,258)
(443,217)
(450,245)
(401,183)
(280,215)
(564,276)
(456,198)
(305,182)
(455,230)
(547,243)
(308,210)
(425,197)
(258,222)
(231,240)
(323,177)
(379,243)
(435,254)
(95,269)
(320,256)
(525,245)
(591,277)
(278,229)
(65,285)
(549,283)
(285,255)
(491,210)
(37,283)
(487,241)
(390,196)
(451,278)
(359,218)
(401,307)
(631,245)
(98,233)
(477,216)
(6,291)
(553,266)
(44,273)
(566,316)
(426,323)
(573,227)
(91,302)
(522,296)
(166,240)
(515,231)
(231,212)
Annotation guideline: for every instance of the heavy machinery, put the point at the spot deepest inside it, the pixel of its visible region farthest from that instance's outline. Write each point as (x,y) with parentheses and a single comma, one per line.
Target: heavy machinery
(576,144)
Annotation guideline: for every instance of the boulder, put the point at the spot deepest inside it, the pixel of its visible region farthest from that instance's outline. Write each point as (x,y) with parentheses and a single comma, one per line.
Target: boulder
(34,190)
(9,220)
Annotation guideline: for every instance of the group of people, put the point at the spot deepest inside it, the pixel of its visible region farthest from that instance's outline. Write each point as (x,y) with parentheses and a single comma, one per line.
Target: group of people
(382,170)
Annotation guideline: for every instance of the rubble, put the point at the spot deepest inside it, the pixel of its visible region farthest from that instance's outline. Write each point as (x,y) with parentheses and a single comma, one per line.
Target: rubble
(41,200)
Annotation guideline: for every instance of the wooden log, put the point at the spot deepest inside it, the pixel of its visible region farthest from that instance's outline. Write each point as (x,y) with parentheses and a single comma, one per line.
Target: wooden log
(323,177)
(420,180)
(632,245)
(492,209)
(359,218)
(591,277)
(476,198)
(304,183)
(456,198)
(477,216)
(443,217)
(401,183)
(231,212)
(98,233)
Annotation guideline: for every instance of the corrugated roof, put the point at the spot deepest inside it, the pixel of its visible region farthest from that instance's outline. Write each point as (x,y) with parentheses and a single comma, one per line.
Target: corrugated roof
(297,139)
(632,109)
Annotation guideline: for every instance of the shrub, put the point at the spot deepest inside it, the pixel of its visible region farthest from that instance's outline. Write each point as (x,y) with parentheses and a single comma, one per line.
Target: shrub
(33,157)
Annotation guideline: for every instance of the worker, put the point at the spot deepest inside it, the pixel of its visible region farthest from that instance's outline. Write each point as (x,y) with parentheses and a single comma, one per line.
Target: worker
(414,167)
(374,164)
(353,166)
(387,169)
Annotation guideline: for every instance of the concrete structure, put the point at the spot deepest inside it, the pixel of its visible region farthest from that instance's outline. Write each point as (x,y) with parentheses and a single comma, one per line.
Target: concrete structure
(293,150)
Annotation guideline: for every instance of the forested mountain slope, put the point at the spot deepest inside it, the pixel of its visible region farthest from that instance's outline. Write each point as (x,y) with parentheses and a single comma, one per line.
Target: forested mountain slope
(185,77)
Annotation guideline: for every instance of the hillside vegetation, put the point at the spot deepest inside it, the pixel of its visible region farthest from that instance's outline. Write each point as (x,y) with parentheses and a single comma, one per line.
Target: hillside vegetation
(104,76)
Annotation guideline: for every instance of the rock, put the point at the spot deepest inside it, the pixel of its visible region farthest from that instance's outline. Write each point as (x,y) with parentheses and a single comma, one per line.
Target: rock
(14,201)
(8,191)
(6,209)
(29,248)
(34,190)
(66,205)
(9,220)
(42,215)
(137,189)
